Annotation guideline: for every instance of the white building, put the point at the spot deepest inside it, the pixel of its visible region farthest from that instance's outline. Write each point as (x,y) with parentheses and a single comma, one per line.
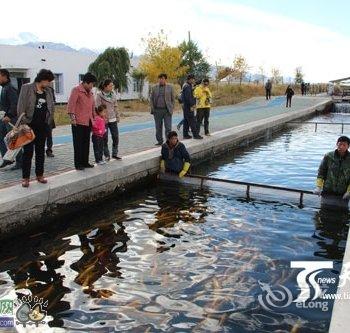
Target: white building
(25,62)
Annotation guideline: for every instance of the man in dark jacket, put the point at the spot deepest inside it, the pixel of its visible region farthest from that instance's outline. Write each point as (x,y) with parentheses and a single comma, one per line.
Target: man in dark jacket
(334,172)
(289,93)
(189,107)
(175,157)
(268,88)
(8,104)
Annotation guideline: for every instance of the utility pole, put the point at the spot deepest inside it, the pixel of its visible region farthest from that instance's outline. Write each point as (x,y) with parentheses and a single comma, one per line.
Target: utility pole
(189,36)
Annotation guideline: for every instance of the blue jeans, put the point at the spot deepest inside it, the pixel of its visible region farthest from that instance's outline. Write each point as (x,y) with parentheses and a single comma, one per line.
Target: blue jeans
(4,129)
(98,143)
(113,127)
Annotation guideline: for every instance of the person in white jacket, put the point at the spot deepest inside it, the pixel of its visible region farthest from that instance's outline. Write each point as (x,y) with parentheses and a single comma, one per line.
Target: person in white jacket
(107,96)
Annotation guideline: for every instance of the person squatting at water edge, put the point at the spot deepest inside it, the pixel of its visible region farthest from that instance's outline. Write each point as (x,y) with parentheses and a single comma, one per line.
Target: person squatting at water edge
(175,157)
(333,179)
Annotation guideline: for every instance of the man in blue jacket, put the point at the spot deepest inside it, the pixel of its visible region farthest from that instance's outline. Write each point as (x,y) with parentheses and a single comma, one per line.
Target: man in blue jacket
(175,157)
(189,108)
(8,104)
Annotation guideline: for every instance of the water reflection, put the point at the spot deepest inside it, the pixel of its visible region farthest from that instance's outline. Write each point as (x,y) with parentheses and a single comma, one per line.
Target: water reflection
(99,248)
(176,204)
(40,276)
(331,230)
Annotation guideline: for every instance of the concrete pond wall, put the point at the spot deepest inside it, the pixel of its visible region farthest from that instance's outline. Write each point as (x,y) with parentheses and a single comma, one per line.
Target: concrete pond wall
(22,209)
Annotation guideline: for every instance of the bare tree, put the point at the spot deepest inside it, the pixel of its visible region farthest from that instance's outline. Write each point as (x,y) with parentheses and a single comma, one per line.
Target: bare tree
(276,75)
(240,68)
(262,73)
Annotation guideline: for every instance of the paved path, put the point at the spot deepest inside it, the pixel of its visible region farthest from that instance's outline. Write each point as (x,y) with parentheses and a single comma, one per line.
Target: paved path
(137,134)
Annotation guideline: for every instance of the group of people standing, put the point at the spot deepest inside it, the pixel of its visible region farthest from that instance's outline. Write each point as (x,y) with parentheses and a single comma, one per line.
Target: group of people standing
(195,101)
(97,114)
(35,106)
(305,88)
(289,93)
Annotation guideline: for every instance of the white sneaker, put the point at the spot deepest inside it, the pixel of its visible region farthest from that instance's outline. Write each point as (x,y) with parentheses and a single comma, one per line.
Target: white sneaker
(101,163)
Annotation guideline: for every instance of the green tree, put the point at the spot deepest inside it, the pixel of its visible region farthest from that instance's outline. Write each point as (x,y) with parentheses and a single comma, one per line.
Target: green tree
(240,68)
(113,63)
(194,60)
(299,75)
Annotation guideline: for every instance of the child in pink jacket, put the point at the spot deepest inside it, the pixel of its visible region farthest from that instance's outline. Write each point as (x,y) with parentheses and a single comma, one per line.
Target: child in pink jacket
(98,133)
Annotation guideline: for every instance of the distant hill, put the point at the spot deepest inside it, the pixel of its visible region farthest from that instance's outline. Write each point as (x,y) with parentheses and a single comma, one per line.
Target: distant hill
(29,39)
(59,47)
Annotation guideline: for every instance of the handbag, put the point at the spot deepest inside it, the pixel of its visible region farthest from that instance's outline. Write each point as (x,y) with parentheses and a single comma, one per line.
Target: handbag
(19,136)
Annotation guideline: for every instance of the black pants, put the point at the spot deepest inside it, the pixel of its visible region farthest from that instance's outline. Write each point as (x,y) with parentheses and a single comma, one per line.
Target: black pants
(268,93)
(289,101)
(39,146)
(203,113)
(98,144)
(81,145)
(189,122)
(49,142)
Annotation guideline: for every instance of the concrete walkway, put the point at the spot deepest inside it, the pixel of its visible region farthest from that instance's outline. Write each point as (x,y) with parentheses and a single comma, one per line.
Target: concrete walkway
(138,134)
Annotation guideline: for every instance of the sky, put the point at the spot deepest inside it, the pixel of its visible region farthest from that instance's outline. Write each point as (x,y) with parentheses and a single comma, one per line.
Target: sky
(272,33)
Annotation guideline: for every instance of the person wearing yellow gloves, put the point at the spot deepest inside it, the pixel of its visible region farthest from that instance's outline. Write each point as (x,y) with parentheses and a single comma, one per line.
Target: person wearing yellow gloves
(203,96)
(333,177)
(175,157)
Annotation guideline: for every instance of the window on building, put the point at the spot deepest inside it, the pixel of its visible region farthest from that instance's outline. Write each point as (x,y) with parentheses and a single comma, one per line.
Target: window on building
(58,83)
(137,85)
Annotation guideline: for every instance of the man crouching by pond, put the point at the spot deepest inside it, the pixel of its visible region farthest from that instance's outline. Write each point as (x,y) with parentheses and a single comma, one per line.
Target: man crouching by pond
(175,157)
(333,179)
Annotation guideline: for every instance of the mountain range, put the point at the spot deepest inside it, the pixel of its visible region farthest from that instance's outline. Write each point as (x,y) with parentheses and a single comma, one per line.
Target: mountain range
(30,40)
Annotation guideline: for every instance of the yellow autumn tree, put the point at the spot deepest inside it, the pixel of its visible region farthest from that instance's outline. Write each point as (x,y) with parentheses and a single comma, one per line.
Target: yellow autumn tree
(160,57)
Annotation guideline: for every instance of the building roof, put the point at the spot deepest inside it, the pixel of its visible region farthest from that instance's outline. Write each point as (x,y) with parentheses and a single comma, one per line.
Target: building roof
(340,80)
(16,57)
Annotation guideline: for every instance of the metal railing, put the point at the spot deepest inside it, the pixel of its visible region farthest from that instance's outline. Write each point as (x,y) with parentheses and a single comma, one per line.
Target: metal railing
(248,185)
(316,123)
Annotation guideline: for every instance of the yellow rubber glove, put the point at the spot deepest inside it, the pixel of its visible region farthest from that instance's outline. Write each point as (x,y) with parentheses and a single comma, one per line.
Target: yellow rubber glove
(319,186)
(319,182)
(346,195)
(184,169)
(162,166)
